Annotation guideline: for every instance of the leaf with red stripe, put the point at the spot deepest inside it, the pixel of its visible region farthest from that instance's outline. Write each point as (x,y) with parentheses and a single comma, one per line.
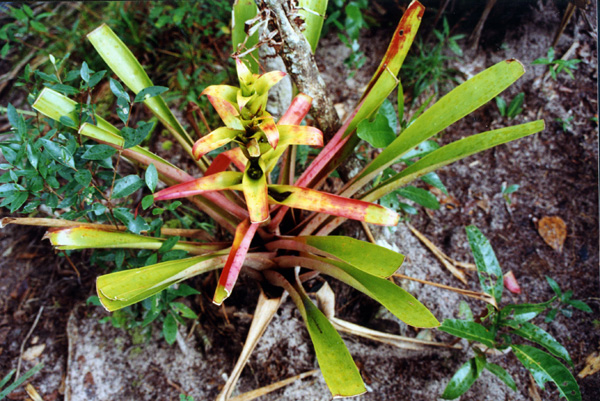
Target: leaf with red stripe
(316,201)
(215,182)
(219,137)
(241,242)
(268,127)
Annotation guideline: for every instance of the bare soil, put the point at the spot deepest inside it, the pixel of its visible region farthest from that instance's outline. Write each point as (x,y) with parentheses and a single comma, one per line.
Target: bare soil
(557,171)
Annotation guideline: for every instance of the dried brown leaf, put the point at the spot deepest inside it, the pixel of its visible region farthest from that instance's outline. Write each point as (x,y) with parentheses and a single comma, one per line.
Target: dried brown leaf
(553,230)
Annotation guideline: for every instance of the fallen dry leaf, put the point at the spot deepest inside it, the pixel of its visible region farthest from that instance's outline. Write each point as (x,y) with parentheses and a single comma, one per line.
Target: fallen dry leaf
(554,231)
(592,365)
(33,352)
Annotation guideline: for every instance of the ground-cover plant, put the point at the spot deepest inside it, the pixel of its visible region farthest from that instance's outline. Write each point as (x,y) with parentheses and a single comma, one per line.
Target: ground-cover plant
(7,389)
(557,66)
(499,327)
(513,109)
(349,30)
(274,242)
(426,67)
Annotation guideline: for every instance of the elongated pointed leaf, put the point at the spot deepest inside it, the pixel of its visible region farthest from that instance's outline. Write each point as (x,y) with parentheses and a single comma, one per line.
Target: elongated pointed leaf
(338,368)
(219,137)
(90,237)
(370,258)
(381,85)
(512,315)
(137,153)
(536,334)
(453,152)
(214,182)
(55,105)
(244,234)
(398,301)
(224,92)
(224,159)
(268,127)
(469,330)
(464,378)
(126,287)
(267,80)
(488,268)
(316,201)
(545,368)
(227,111)
(123,63)
(501,374)
(313,12)
(297,111)
(461,101)
(244,10)
(254,185)
(293,135)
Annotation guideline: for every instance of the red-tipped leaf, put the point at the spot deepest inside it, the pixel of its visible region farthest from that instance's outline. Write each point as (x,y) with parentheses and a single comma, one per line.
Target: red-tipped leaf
(223,160)
(219,137)
(215,182)
(316,201)
(241,242)
(268,127)
(227,111)
(297,110)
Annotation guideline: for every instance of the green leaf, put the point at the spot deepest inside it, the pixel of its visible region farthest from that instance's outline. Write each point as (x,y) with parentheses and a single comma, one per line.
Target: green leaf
(134,137)
(514,108)
(127,287)
(455,105)
(338,368)
(38,26)
(85,72)
(126,186)
(83,177)
(554,285)
(469,330)
(66,120)
(168,244)
(577,304)
(64,89)
(169,329)
(370,258)
(545,368)
(184,290)
(98,152)
(420,196)
(377,133)
(151,177)
(464,311)
(488,268)
(534,333)
(435,181)
(117,89)
(19,381)
(451,153)
(58,152)
(13,116)
(501,103)
(397,300)
(501,374)
(149,92)
(522,313)
(147,201)
(464,378)
(184,310)
(244,10)
(400,103)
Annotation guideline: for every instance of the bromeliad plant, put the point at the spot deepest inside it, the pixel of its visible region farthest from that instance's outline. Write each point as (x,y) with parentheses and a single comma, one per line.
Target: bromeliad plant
(274,242)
